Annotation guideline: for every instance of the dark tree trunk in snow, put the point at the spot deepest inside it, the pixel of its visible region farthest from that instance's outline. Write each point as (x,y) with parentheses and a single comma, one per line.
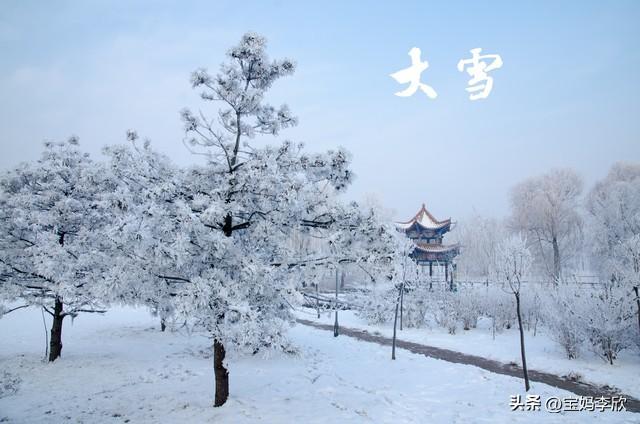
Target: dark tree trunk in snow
(227,227)
(556,259)
(222,375)
(163,325)
(524,359)
(55,344)
(395,324)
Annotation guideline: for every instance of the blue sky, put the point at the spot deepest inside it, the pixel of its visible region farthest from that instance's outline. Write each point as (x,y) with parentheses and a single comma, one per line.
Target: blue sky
(567,95)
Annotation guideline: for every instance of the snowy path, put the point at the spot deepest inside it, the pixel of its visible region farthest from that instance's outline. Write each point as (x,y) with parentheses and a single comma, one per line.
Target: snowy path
(119,368)
(581,389)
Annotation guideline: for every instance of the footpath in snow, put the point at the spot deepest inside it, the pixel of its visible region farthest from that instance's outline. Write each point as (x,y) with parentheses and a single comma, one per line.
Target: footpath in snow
(578,388)
(543,354)
(120,368)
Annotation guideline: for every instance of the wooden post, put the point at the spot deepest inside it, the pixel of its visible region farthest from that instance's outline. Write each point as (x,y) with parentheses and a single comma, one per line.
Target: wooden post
(454,274)
(317,301)
(401,301)
(635,289)
(335,324)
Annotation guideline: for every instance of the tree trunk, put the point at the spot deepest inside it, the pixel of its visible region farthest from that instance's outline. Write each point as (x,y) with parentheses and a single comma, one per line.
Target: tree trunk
(556,259)
(227,227)
(163,325)
(524,359)
(395,323)
(221,373)
(55,344)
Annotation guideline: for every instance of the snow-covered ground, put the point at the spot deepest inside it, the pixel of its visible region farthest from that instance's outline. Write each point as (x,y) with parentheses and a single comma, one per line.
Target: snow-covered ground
(543,354)
(120,368)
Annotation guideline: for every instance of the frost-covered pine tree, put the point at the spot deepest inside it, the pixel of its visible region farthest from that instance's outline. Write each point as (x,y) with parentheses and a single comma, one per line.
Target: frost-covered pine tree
(52,250)
(217,237)
(143,268)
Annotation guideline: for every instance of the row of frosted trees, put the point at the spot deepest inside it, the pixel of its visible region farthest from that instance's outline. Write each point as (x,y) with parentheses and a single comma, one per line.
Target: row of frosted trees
(568,232)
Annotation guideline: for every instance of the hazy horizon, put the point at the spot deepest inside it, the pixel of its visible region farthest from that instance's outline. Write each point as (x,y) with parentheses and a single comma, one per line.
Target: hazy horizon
(567,95)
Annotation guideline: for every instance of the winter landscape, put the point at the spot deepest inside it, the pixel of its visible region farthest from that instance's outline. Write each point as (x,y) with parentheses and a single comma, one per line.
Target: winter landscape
(447,232)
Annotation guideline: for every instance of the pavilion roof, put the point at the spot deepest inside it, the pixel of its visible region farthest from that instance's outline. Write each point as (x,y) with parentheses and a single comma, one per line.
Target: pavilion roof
(424,219)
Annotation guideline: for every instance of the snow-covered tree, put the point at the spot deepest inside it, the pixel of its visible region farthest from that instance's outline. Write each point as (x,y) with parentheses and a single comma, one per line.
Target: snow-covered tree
(545,208)
(600,314)
(479,237)
(608,317)
(143,269)
(513,263)
(406,269)
(497,305)
(219,235)
(564,316)
(614,217)
(377,305)
(52,250)
(627,269)
(613,206)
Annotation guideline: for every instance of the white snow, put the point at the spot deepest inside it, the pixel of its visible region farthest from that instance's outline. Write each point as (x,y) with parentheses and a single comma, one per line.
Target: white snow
(121,368)
(424,219)
(543,354)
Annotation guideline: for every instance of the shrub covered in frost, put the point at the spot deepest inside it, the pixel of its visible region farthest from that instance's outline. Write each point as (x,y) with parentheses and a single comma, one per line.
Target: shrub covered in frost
(377,306)
(563,319)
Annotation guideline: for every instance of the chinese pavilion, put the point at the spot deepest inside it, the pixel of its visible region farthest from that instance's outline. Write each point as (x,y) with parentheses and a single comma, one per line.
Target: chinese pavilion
(427,233)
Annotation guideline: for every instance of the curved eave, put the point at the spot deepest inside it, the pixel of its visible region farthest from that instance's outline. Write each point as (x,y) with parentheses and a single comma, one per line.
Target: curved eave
(406,226)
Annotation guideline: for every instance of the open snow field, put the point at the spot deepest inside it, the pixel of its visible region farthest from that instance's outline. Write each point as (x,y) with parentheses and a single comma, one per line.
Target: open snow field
(543,354)
(120,368)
